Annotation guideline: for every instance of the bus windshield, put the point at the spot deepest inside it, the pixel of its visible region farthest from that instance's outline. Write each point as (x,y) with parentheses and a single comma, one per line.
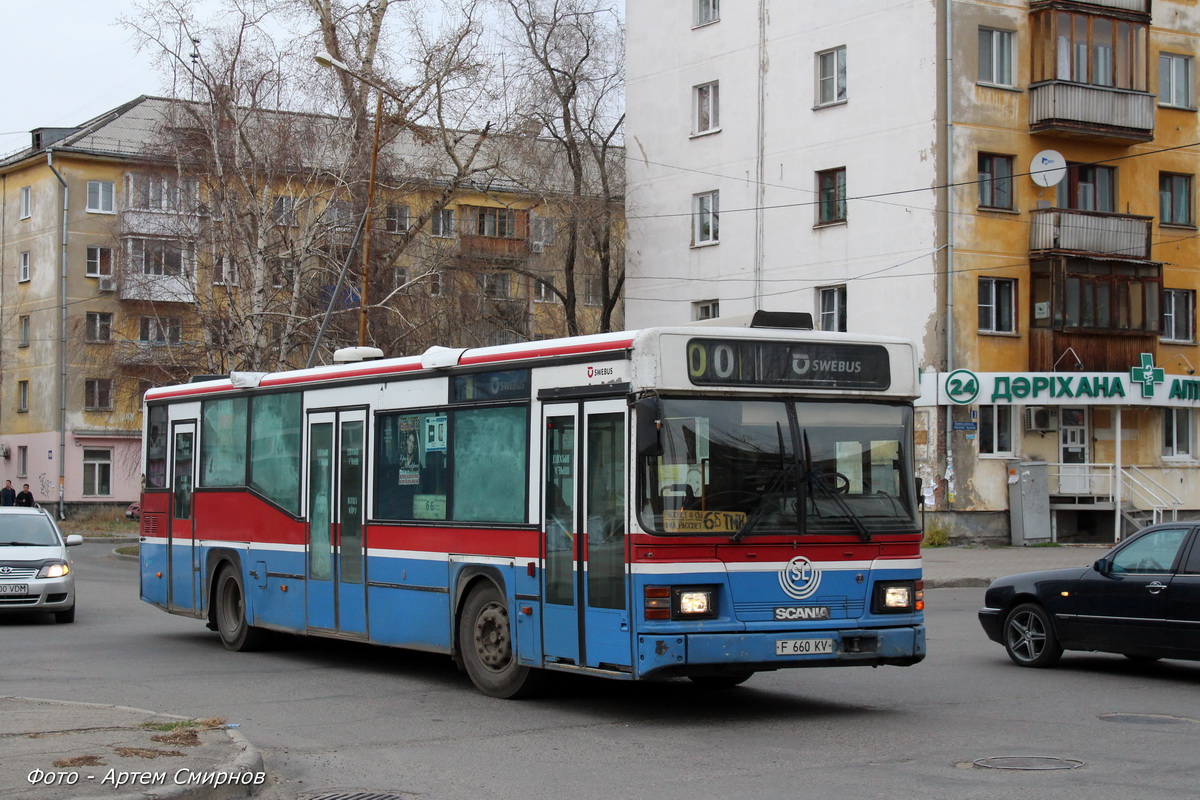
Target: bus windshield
(746,467)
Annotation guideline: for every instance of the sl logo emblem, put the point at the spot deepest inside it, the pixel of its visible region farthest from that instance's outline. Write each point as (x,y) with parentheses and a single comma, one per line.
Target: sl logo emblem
(800,578)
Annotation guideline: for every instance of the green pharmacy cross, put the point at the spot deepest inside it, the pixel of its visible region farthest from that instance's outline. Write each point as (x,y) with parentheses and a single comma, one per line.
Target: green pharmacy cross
(1147,375)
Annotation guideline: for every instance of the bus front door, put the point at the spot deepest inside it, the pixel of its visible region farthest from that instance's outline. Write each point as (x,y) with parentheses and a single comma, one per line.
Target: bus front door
(336,494)
(181,548)
(585,611)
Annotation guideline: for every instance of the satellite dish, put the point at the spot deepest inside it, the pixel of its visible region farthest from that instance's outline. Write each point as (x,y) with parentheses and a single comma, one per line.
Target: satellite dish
(1048,168)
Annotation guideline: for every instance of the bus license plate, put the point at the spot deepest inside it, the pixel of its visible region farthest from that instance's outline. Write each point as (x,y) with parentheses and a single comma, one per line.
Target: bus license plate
(14,588)
(803,647)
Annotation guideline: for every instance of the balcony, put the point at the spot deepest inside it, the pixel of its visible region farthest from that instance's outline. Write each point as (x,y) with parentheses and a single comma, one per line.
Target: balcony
(1090,233)
(1063,351)
(156,288)
(490,248)
(144,354)
(1135,6)
(1097,112)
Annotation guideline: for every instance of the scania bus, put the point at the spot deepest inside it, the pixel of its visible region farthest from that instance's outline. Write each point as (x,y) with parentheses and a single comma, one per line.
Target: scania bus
(701,501)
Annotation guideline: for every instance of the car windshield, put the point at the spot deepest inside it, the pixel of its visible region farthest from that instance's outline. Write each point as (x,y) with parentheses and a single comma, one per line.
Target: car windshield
(740,467)
(26,529)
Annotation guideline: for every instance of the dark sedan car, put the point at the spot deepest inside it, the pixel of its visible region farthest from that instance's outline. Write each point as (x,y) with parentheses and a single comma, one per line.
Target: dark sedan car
(1142,599)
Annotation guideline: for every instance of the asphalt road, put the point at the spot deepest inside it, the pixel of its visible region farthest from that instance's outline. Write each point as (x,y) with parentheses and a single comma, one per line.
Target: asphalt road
(332,717)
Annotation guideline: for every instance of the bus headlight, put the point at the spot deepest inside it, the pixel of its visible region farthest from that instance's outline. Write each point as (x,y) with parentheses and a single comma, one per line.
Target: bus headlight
(695,602)
(899,597)
(680,602)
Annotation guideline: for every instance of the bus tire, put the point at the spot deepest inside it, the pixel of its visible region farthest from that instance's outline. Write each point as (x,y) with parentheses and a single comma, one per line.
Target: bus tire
(486,648)
(229,607)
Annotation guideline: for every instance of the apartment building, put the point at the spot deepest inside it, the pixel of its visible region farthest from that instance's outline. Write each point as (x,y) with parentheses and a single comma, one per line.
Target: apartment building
(1011,184)
(126,262)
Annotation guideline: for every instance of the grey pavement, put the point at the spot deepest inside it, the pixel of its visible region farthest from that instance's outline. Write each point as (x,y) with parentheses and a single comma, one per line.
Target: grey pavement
(55,749)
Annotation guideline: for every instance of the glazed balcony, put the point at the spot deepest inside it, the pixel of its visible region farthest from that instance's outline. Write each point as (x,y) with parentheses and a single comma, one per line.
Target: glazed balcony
(1090,233)
(156,288)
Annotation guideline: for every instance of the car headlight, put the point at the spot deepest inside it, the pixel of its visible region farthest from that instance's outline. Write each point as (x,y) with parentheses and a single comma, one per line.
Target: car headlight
(899,597)
(55,569)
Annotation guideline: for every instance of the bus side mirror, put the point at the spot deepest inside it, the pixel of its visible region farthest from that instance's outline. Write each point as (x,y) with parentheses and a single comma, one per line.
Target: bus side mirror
(648,413)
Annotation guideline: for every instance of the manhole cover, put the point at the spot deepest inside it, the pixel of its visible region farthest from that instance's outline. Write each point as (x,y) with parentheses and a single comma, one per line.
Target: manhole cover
(1147,719)
(1028,762)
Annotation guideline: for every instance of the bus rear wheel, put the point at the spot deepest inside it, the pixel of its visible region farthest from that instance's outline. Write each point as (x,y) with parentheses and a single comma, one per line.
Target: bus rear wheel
(485,644)
(230,609)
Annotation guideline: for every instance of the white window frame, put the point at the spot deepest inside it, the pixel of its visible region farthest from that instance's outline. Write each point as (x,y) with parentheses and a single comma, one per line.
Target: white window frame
(97,394)
(1178,445)
(98,327)
(707,12)
(592,296)
(163,193)
(24,268)
(831,77)
(543,291)
(225,271)
(991,304)
(997,413)
(831,308)
(101,197)
(96,266)
(999,66)
(1171,322)
(396,218)
(441,224)
(542,229)
(23,328)
(434,279)
(706,108)
(160,331)
(97,471)
(706,309)
(1175,70)
(706,219)
(26,202)
(283,211)
(148,256)
(494,284)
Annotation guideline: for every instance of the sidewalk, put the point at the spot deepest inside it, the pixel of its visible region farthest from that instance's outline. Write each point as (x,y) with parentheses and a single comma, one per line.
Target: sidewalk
(82,750)
(949,567)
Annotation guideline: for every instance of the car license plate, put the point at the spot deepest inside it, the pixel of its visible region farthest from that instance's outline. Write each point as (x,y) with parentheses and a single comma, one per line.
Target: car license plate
(803,647)
(14,588)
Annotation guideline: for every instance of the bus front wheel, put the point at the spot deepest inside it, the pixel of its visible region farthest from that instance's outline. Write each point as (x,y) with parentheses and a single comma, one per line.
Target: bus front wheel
(485,643)
(230,609)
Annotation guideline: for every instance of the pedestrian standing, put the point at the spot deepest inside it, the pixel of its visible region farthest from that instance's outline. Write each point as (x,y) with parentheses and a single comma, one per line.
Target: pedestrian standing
(25,497)
(8,495)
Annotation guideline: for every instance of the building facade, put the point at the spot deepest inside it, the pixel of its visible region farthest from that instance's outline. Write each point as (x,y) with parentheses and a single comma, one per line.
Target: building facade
(126,262)
(1010,184)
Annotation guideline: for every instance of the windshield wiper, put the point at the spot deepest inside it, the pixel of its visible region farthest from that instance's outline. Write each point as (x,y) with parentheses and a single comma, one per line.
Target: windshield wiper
(814,479)
(757,513)
(22,544)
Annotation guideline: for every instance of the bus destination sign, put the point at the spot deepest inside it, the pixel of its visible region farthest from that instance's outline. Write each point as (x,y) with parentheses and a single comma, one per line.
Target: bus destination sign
(815,365)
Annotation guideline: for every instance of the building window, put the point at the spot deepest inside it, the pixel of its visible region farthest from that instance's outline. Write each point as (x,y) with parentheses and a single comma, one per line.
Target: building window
(99,326)
(397,219)
(163,193)
(23,331)
(1177,432)
(97,472)
(706,309)
(997,299)
(22,396)
(100,196)
(339,215)
(543,232)
(283,272)
(496,222)
(434,279)
(99,261)
(1179,315)
(831,195)
(1174,199)
(22,461)
(23,269)
(831,77)
(225,271)
(442,223)
(1089,187)
(97,394)
(706,218)
(1089,48)
(833,308)
(707,11)
(593,292)
(160,330)
(161,256)
(493,284)
(283,210)
(1102,296)
(1174,80)
(996,57)
(26,202)
(996,430)
(995,181)
(707,103)
(543,291)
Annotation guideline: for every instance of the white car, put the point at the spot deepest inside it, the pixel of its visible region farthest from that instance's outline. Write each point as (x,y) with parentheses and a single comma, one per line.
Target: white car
(35,570)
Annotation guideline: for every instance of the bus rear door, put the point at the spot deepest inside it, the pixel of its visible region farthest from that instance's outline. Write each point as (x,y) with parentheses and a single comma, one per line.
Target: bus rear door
(182,566)
(585,613)
(336,493)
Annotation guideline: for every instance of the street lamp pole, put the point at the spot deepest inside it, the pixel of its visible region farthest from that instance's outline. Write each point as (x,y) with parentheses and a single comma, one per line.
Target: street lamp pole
(327,60)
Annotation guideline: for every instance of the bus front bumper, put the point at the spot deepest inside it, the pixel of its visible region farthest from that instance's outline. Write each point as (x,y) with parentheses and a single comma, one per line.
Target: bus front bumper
(715,653)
